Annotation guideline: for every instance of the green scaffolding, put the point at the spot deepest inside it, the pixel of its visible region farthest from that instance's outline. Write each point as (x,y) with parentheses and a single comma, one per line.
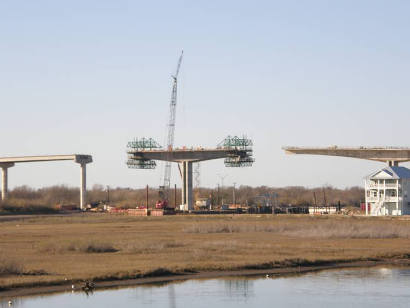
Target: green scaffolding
(235,142)
(242,155)
(246,161)
(141,164)
(143,144)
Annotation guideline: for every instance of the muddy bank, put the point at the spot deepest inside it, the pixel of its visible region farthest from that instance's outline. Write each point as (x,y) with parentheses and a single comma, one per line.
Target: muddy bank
(161,276)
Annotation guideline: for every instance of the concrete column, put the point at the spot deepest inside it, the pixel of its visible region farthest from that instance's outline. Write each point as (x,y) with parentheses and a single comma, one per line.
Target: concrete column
(183,171)
(83,160)
(83,187)
(189,198)
(4,173)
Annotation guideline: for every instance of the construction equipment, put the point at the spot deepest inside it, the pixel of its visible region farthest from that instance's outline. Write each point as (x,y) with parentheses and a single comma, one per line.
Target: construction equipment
(242,145)
(164,189)
(142,144)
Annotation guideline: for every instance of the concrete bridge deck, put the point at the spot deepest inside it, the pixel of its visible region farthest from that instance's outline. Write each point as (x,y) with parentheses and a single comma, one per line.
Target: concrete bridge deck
(7,162)
(391,155)
(78,158)
(186,155)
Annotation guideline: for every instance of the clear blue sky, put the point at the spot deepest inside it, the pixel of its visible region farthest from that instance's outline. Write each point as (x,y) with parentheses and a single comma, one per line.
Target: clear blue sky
(87,76)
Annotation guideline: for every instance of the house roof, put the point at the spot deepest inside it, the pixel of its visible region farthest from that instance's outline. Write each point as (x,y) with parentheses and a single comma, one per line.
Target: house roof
(394,172)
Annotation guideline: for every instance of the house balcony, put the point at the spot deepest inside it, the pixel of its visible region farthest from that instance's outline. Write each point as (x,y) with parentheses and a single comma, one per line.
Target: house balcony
(392,185)
(382,186)
(383,199)
(372,199)
(391,199)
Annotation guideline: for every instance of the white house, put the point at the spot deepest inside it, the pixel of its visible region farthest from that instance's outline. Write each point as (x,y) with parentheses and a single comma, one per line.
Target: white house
(388,192)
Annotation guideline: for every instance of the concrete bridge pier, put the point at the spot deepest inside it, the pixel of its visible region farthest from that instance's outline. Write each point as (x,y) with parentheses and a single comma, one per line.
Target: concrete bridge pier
(83,161)
(187,199)
(183,188)
(189,175)
(4,172)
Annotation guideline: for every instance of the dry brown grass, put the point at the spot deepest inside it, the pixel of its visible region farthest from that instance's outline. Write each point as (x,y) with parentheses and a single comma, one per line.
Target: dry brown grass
(101,246)
(9,267)
(324,229)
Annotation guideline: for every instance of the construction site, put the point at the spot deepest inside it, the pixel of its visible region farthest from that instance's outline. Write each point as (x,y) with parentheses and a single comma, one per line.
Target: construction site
(384,191)
(143,153)
(387,190)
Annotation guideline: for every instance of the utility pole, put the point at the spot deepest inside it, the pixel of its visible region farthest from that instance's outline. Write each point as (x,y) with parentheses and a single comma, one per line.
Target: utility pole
(233,193)
(147,197)
(108,194)
(217,196)
(222,185)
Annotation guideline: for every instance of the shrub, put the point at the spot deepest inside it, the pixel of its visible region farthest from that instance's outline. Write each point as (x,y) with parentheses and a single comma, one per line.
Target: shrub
(9,267)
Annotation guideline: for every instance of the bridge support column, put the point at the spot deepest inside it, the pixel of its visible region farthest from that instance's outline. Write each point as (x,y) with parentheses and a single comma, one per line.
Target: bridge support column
(188,189)
(186,199)
(83,187)
(4,173)
(83,161)
(183,188)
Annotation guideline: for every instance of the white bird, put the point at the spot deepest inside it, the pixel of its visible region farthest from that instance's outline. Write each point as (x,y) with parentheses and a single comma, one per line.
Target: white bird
(10,303)
(267,276)
(72,287)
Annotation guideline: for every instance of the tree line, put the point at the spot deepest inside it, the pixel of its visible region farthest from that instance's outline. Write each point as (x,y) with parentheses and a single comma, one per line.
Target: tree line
(244,195)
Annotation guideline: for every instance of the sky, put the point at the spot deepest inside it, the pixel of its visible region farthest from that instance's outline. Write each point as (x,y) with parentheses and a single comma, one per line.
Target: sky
(88,76)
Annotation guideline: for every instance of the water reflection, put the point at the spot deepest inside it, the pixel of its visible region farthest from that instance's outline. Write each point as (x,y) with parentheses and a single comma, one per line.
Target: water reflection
(238,288)
(171,296)
(14,302)
(374,287)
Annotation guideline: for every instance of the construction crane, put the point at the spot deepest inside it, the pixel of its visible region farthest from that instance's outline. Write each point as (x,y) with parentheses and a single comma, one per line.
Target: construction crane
(164,189)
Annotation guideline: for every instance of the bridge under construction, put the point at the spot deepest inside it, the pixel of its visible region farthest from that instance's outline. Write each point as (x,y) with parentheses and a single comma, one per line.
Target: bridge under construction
(385,189)
(83,160)
(391,155)
(143,153)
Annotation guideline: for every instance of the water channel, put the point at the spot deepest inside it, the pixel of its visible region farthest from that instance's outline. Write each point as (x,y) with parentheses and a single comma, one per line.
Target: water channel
(367,287)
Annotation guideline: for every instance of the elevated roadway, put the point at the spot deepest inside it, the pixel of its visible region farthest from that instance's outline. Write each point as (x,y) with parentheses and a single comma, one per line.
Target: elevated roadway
(186,157)
(83,160)
(189,155)
(390,155)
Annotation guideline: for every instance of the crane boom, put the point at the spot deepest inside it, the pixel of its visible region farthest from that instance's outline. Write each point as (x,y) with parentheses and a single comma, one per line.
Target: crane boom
(171,128)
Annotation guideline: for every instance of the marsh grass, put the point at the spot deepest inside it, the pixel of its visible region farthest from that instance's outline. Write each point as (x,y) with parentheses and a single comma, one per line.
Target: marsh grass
(88,246)
(324,229)
(10,267)
(77,246)
(149,247)
(92,247)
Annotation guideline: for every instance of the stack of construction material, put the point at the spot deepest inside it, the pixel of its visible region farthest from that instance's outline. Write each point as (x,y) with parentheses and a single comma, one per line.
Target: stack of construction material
(138,212)
(157,212)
